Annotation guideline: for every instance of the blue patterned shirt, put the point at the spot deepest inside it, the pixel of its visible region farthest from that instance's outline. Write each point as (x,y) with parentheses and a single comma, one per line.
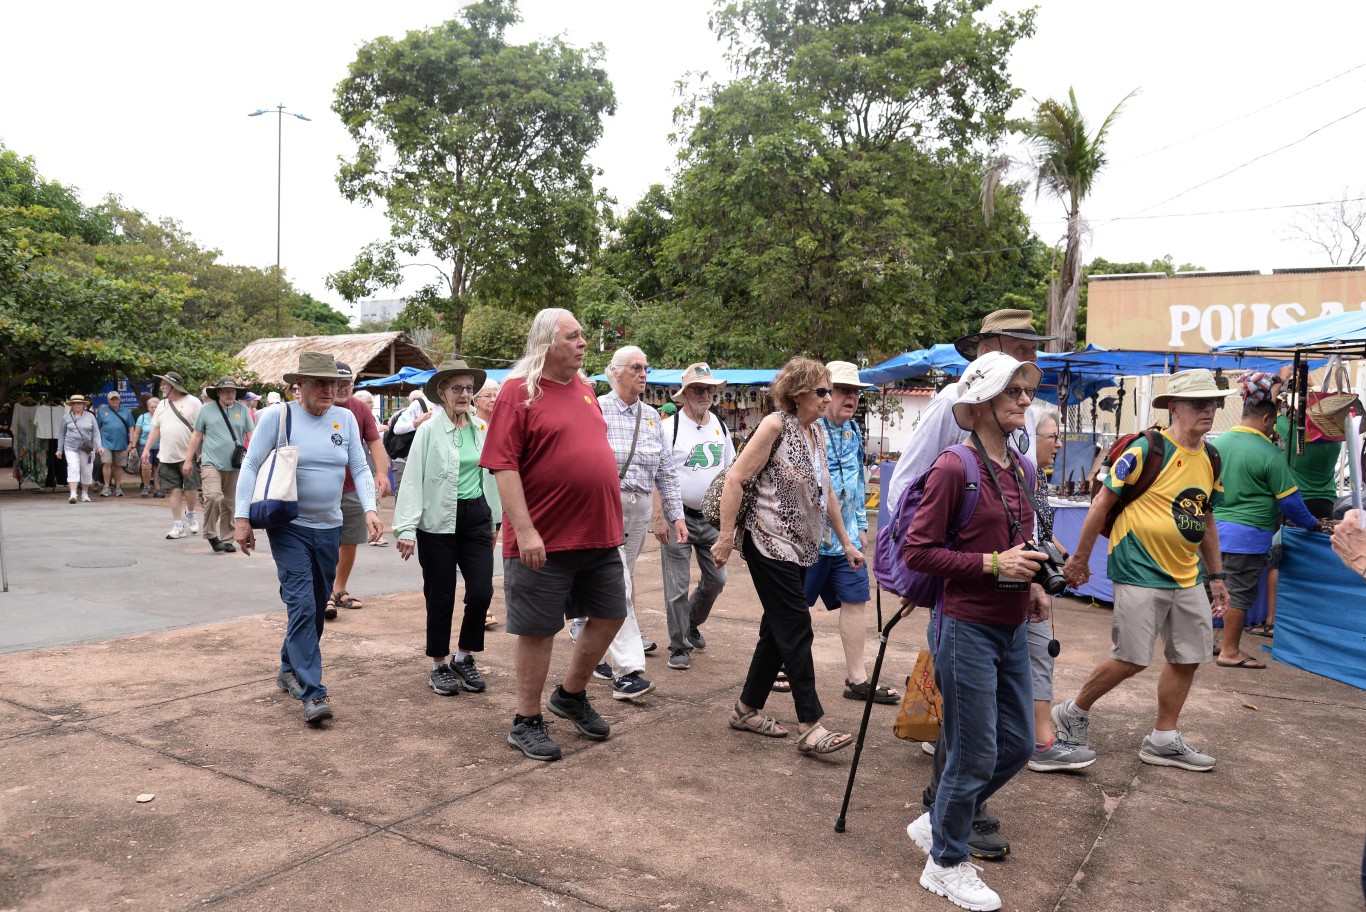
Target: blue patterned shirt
(653,463)
(844,452)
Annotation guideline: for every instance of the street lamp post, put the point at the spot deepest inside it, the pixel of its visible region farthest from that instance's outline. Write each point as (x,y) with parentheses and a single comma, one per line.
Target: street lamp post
(279,180)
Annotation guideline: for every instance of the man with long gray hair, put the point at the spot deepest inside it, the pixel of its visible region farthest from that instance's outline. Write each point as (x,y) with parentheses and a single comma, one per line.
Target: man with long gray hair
(557,477)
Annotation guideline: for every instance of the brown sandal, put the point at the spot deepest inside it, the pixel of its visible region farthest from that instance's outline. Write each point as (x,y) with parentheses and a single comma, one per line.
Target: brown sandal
(753,722)
(827,743)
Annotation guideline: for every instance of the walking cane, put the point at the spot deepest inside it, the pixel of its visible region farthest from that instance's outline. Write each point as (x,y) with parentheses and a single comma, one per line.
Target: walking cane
(867,711)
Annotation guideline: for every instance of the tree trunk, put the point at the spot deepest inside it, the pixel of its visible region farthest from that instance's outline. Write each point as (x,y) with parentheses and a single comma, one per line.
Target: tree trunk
(1064,292)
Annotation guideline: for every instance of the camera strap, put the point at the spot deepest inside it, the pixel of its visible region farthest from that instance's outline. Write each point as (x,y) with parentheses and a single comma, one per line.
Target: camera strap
(1016,519)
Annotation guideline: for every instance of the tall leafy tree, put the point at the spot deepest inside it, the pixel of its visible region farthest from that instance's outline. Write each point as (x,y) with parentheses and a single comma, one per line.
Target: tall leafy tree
(1066,159)
(477,149)
(826,191)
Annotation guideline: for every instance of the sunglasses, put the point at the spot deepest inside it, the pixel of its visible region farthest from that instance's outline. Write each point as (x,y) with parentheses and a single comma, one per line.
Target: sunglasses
(822,391)
(1014,392)
(698,390)
(1201,404)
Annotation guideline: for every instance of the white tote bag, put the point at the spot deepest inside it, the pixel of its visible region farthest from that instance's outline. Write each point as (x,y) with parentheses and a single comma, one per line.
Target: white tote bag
(275,500)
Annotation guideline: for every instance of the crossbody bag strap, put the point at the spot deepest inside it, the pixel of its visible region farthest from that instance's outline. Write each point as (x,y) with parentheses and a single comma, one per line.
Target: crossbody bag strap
(231,432)
(635,436)
(182,418)
(1015,521)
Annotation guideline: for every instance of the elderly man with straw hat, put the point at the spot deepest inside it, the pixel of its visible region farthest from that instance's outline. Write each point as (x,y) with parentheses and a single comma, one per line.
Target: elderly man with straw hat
(1010,332)
(1164,529)
(702,449)
(222,431)
(305,550)
(172,427)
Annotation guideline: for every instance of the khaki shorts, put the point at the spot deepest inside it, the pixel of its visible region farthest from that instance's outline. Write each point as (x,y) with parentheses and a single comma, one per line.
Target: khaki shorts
(1182,616)
(171,477)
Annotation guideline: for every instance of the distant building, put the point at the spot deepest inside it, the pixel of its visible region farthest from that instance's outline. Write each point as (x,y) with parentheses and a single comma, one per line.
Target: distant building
(381,311)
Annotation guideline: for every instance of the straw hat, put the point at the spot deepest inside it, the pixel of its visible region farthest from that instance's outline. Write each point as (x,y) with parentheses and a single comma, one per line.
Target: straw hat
(318,365)
(842,373)
(1190,384)
(78,398)
(450,369)
(985,378)
(698,373)
(177,382)
(1018,324)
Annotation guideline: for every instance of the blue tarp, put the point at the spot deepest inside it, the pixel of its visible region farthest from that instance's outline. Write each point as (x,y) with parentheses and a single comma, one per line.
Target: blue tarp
(945,358)
(1094,359)
(1320,611)
(1347,328)
(674,377)
(414,377)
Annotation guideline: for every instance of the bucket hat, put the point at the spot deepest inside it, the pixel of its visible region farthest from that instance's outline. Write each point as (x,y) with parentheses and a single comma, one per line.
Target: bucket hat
(697,373)
(1018,324)
(1190,384)
(985,378)
(177,382)
(318,365)
(843,373)
(450,369)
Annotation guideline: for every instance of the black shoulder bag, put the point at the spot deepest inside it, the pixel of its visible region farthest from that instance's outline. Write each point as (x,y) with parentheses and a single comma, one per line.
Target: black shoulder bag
(238,451)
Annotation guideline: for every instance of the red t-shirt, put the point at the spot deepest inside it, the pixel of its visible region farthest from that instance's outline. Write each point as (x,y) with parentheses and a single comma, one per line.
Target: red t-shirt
(369,431)
(569,473)
(969,594)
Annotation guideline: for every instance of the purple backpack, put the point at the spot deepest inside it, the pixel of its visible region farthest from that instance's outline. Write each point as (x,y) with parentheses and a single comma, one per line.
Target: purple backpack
(889,568)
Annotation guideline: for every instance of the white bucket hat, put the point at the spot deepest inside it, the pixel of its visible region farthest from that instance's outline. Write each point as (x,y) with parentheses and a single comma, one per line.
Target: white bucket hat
(1190,384)
(985,378)
(699,373)
(842,373)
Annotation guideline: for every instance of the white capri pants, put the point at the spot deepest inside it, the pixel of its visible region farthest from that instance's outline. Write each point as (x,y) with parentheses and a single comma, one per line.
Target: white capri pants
(79,466)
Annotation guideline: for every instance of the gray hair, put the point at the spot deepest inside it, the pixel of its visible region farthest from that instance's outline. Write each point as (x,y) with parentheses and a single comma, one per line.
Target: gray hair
(621,356)
(1047,413)
(538,342)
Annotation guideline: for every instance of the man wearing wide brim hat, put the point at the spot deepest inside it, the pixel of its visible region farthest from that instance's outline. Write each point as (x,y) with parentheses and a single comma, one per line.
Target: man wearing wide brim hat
(172,427)
(1160,536)
(327,442)
(1012,332)
(702,449)
(223,426)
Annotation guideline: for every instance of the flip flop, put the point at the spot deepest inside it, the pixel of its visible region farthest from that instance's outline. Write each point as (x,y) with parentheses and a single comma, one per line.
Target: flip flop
(1262,630)
(1247,662)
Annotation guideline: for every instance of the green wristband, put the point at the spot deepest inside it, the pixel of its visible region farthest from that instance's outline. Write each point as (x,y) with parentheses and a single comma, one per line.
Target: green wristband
(995,564)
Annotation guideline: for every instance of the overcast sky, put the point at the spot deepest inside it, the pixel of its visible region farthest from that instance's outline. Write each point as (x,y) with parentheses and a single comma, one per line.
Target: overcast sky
(149,100)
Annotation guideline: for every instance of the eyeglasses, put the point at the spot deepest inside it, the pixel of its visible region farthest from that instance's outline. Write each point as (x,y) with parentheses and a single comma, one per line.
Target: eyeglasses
(699,390)
(822,391)
(1014,392)
(638,368)
(1056,438)
(324,383)
(1201,404)
(458,389)
(849,390)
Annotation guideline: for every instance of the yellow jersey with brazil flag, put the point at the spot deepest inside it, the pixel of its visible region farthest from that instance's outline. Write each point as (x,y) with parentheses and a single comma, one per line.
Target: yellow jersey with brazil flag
(1156,538)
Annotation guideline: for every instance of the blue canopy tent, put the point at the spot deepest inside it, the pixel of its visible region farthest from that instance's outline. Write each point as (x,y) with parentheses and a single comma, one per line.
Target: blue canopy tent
(1343,334)
(946,359)
(674,377)
(411,376)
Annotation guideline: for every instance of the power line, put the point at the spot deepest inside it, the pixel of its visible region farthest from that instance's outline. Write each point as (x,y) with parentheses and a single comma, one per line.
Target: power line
(1234,120)
(1128,218)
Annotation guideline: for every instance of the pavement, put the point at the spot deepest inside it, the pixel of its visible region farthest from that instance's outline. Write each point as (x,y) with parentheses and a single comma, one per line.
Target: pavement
(408,800)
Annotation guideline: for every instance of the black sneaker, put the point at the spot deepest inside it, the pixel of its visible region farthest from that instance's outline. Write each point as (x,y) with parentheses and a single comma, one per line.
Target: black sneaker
(444,680)
(529,736)
(986,840)
(316,710)
(695,637)
(648,645)
(469,676)
(289,684)
(628,687)
(229,547)
(580,712)
(216,545)
(603,672)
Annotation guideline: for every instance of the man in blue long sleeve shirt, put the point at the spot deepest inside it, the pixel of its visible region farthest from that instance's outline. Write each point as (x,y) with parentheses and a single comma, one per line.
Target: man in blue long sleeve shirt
(305,550)
(1258,490)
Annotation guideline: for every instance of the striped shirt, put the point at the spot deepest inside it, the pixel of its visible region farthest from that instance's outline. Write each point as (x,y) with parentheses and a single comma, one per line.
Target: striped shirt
(653,463)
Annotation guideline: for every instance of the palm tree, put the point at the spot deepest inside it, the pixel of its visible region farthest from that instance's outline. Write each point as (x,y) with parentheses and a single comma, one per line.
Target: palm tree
(1065,161)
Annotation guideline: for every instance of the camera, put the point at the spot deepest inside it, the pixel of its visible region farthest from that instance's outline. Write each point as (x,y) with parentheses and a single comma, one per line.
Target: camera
(1049,574)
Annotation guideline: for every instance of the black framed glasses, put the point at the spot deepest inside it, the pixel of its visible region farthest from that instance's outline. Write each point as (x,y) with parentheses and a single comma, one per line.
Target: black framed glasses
(1014,392)
(822,391)
(458,389)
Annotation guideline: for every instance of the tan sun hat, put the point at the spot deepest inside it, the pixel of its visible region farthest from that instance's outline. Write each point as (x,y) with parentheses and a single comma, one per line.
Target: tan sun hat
(985,378)
(77,398)
(699,372)
(1018,324)
(1190,384)
(176,381)
(318,365)
(842,373)
(450,369)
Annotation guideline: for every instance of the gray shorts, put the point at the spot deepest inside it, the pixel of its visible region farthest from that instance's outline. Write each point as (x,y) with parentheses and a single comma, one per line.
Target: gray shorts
(1244,573)
(353,531)
(1182,616)
(170,476)
(587,583)
(1039,633)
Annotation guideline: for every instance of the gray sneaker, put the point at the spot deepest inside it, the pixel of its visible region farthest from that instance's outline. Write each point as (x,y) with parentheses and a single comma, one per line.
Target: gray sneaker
(316,710)
(529,736)
(444,680)
(1073,730)
(695,637)
(678,658)
(580,712)
(1178,753)
(289,684)
(1061,756)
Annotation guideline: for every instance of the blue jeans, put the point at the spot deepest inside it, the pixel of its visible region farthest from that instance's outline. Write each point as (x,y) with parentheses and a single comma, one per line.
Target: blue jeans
(982,671)
(306,563)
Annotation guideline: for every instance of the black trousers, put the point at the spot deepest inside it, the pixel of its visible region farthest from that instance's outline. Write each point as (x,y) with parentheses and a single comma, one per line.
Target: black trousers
(784,635)
(468,549)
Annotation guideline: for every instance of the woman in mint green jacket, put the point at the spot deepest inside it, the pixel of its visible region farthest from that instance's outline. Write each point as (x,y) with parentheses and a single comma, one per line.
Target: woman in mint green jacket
(446,509)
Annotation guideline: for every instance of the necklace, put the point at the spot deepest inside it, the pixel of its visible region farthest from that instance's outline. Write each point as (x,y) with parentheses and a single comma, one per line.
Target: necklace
(460,435)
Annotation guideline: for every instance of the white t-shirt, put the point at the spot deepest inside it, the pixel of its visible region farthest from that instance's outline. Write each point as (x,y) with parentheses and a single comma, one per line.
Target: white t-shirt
(175,436)
(700,453)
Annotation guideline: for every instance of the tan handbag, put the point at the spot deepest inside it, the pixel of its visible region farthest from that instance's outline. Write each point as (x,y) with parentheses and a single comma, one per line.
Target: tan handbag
(1326,415)
(922,708)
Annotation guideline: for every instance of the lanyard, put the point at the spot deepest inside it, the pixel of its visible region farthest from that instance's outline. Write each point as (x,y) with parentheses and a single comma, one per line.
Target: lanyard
(1016,519)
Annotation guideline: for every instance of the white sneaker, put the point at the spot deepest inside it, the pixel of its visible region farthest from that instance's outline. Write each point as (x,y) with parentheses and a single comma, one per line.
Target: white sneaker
(192,520)
(927,747)
(73,498)
(177,530)
(85,497)
(960,885)
(921,832)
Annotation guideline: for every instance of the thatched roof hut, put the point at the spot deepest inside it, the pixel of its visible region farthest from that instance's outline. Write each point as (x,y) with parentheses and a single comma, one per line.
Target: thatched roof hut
(369,354)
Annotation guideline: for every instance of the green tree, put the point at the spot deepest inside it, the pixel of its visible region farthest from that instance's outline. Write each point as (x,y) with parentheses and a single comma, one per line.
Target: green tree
(823,202)
(1066,159)
(477,149)
(494,336)
(24,190)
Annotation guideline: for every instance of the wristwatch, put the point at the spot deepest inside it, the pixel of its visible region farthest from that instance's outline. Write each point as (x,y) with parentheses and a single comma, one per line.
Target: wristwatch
(1221,576)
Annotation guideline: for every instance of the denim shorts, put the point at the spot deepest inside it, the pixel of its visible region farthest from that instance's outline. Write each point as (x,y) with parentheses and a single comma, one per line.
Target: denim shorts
(834,582)
(586,583)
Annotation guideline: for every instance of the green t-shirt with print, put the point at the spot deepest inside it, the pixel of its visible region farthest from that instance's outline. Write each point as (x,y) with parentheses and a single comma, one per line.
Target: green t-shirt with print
(1255,476)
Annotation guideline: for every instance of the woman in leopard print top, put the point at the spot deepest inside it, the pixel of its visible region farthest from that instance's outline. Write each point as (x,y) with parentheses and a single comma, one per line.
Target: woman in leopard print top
(786,459)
